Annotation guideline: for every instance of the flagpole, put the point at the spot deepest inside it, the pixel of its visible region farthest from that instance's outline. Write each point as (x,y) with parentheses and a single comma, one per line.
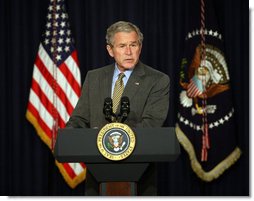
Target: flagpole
(54,81)
(205,136)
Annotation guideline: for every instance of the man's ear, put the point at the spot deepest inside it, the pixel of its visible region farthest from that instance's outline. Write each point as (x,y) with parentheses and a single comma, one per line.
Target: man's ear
(110,51)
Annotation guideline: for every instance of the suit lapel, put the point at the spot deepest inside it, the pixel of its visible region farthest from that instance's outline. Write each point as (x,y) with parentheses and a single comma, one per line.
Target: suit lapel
(134,81)
(106,82)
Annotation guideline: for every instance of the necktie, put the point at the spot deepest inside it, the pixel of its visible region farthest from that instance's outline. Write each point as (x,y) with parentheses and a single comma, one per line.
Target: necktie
(118,91)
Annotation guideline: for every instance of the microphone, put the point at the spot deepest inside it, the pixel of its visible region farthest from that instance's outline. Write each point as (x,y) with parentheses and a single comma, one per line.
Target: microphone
(107,109)
(125,108)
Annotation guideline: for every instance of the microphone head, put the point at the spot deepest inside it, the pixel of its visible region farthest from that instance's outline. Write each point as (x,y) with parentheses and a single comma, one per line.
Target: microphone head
(125,99)
(108,100)
(125,105)
(107,109)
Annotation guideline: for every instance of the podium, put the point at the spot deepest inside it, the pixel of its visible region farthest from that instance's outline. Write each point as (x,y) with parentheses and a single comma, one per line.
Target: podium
(153,145)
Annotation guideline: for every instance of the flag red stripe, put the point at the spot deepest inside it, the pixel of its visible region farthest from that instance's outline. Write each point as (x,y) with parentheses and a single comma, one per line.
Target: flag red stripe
(60,93)
(40,121)
(69,170)
(72,81)
(192,90)
(83,165)
(45,101)
(74,55)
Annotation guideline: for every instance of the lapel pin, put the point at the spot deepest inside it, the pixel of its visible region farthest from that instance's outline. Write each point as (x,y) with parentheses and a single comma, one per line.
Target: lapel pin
(137,83)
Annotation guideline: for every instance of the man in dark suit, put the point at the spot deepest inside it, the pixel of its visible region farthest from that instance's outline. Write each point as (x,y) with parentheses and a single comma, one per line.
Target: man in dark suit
(146,88)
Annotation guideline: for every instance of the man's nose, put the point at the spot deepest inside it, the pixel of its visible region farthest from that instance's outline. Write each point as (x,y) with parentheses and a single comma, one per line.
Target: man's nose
(128,50)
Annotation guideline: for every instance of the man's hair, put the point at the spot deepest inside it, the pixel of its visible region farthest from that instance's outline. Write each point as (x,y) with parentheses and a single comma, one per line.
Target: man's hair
(122,26)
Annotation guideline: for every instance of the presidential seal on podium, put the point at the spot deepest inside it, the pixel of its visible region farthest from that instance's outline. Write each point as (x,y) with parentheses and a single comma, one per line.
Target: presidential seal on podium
(116,141)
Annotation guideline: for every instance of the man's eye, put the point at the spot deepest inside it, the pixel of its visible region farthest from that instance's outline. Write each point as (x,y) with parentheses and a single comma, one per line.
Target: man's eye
(122,46)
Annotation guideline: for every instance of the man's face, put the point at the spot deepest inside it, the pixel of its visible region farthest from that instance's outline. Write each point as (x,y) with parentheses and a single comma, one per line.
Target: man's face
(125,50)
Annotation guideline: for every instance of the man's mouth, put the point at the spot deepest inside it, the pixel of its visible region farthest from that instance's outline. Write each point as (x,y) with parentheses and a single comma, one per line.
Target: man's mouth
(128,60)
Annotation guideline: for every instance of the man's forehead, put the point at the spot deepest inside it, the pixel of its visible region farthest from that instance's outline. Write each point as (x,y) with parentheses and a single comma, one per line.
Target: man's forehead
(129,36)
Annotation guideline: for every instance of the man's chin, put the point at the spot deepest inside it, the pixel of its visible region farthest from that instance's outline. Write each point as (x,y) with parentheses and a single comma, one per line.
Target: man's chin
(129,65)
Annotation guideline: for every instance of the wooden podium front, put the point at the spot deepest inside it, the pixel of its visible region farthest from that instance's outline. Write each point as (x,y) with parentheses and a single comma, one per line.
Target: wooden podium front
(118,188)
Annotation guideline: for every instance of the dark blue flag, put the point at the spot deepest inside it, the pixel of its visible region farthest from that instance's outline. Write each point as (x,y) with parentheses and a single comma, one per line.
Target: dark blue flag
(205,122)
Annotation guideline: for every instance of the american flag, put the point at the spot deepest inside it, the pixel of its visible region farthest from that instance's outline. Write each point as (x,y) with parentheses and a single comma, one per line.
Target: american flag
(56,85)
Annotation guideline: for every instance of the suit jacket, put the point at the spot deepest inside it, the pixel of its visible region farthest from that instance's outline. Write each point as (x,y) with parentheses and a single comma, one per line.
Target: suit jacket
(147,90)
